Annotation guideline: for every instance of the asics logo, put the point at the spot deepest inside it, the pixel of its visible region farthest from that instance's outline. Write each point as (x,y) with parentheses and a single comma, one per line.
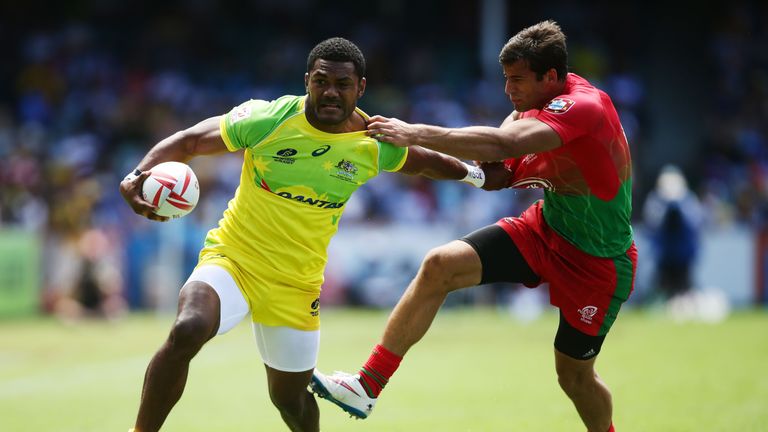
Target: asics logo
(315,306)
(321,151)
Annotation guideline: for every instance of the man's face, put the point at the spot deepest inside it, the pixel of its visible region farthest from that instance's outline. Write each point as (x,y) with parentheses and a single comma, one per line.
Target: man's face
(333,89)
(524,90)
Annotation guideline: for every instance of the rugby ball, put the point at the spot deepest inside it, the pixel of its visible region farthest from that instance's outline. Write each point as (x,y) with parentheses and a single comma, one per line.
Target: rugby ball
(171,187)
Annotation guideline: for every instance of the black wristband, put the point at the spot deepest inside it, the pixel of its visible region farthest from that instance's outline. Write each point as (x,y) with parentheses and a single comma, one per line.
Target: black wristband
(135,173)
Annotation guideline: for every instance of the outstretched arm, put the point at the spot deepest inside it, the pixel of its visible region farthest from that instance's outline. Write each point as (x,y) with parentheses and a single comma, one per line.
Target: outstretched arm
(438,166)
(203,138)
(513,139)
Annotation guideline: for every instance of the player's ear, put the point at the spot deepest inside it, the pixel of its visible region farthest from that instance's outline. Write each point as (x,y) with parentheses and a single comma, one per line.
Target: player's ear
(552,75)
(306,81)
(361,89)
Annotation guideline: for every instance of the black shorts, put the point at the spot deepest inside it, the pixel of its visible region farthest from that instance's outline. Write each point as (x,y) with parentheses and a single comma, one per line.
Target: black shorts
(502,262)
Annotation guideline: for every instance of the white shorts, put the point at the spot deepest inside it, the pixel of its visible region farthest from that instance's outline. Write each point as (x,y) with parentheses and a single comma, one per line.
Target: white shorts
(282,348)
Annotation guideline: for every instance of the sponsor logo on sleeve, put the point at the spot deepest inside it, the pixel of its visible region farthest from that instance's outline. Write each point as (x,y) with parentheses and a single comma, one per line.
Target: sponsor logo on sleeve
(559,105)
(240,113)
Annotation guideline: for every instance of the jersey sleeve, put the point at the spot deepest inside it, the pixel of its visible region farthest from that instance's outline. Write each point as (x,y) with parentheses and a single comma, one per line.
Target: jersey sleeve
(248,123)
(391,157)
(570,117)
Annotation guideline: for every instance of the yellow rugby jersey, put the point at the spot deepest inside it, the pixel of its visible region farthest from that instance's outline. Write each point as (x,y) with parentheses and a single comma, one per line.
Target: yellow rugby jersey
(294,185)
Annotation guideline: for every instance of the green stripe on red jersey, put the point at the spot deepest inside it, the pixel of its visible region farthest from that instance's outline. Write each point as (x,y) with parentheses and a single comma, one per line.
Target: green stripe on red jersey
(599,228)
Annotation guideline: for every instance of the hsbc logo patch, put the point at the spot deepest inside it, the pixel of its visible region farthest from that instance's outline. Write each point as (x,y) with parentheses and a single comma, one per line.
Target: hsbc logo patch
(559,105)
(240,113)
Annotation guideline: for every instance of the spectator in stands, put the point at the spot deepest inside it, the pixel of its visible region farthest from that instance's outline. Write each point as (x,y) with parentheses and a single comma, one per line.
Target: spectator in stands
(673,214)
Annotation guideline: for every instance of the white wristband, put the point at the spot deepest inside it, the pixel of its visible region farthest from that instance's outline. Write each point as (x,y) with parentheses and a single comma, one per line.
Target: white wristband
(475,176)
(132,175)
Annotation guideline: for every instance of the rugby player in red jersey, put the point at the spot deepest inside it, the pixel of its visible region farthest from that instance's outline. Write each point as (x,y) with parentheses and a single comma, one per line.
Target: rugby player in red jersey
(564,136)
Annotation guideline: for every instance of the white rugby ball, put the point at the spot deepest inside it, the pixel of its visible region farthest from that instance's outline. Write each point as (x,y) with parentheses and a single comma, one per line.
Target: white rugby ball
(171,187)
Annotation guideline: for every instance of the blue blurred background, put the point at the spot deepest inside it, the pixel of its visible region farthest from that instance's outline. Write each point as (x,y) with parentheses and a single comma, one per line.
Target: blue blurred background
(87,87)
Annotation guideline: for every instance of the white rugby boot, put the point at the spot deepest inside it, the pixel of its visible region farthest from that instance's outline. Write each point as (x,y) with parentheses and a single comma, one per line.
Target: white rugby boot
(345,390)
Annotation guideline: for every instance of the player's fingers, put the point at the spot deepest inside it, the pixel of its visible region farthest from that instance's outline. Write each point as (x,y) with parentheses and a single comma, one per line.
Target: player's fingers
(145,208)
(374,125)
(142,207)
(139,180)
(149,213)
(374,130)
(377,118)
(157,218)
(132,191)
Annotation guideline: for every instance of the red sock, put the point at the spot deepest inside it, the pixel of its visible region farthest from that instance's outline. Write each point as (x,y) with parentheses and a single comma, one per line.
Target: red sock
(378,369)
(611,429)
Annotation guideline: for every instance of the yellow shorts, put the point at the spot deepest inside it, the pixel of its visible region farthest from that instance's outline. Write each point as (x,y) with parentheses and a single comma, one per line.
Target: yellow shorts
(272,302)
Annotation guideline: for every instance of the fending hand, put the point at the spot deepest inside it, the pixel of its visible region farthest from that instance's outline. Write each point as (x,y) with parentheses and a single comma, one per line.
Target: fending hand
(496,175)
(391,130)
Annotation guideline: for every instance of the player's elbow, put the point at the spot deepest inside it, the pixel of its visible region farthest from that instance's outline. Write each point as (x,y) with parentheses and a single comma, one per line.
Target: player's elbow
(495,150)
(509,145)
(184,141)
(427,173)
(201,139)
(498,152)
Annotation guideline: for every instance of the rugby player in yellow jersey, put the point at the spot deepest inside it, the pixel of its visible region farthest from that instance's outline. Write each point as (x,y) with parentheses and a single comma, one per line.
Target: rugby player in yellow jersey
(304,156)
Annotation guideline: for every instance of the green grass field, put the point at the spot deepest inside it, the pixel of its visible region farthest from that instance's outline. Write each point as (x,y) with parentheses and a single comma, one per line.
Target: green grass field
(476,370)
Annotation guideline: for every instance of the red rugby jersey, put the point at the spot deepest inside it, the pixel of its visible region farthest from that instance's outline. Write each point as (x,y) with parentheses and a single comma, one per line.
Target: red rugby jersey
(588,180)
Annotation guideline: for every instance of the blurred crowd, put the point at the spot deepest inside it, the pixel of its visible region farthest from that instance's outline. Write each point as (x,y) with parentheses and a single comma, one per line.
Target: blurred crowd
(83,100)
(734,160)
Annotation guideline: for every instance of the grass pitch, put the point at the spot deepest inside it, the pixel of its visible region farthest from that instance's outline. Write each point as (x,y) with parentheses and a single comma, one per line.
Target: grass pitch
(476,370)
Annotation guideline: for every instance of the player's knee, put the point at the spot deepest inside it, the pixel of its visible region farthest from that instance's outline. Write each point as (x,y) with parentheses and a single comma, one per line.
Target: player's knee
(436,271)
(190,333)
(574,381)
(287,402)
